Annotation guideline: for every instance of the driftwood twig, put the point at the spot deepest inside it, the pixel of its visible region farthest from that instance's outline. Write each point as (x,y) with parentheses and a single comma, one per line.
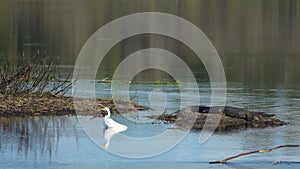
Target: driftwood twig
(252,152)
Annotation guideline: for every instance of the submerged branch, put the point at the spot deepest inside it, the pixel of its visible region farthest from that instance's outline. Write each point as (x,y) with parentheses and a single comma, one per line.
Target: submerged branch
(252,152)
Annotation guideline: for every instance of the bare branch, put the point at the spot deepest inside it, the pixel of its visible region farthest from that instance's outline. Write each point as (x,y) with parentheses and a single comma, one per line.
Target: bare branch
(36,74)
(251,152)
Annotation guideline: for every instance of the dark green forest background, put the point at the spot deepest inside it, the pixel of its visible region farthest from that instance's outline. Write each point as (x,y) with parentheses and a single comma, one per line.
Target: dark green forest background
(258,40)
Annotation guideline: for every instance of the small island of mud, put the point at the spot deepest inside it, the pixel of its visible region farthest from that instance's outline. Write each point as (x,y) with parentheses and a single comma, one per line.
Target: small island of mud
(35,87)
(49,105)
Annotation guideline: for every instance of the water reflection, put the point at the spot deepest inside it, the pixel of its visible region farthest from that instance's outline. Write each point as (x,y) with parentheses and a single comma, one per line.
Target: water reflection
(108,134)
(36,136)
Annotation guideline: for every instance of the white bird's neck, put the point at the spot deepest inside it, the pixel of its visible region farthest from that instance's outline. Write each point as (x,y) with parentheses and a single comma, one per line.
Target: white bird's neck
(108,112)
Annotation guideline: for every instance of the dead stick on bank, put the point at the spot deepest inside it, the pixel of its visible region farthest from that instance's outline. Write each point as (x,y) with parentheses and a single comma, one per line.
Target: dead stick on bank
(252,152)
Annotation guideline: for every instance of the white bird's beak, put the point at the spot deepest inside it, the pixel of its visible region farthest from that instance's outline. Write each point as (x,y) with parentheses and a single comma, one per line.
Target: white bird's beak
(102,109)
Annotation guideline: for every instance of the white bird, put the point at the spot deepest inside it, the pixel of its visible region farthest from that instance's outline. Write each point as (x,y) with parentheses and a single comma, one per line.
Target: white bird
(110,123)
(113,127)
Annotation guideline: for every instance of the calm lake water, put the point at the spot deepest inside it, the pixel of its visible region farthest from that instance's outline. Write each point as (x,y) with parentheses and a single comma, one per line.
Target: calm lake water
(60,142)
(258,44)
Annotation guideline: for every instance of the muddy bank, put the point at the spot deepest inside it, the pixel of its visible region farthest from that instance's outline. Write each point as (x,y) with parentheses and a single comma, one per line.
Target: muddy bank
(35,87)
(49,105)
(231,118)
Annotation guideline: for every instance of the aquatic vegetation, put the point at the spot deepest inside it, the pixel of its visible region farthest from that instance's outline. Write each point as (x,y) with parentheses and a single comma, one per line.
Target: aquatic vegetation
(157,82)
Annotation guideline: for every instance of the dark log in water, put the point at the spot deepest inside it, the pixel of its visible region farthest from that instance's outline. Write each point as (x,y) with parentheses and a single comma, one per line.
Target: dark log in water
(230,118)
